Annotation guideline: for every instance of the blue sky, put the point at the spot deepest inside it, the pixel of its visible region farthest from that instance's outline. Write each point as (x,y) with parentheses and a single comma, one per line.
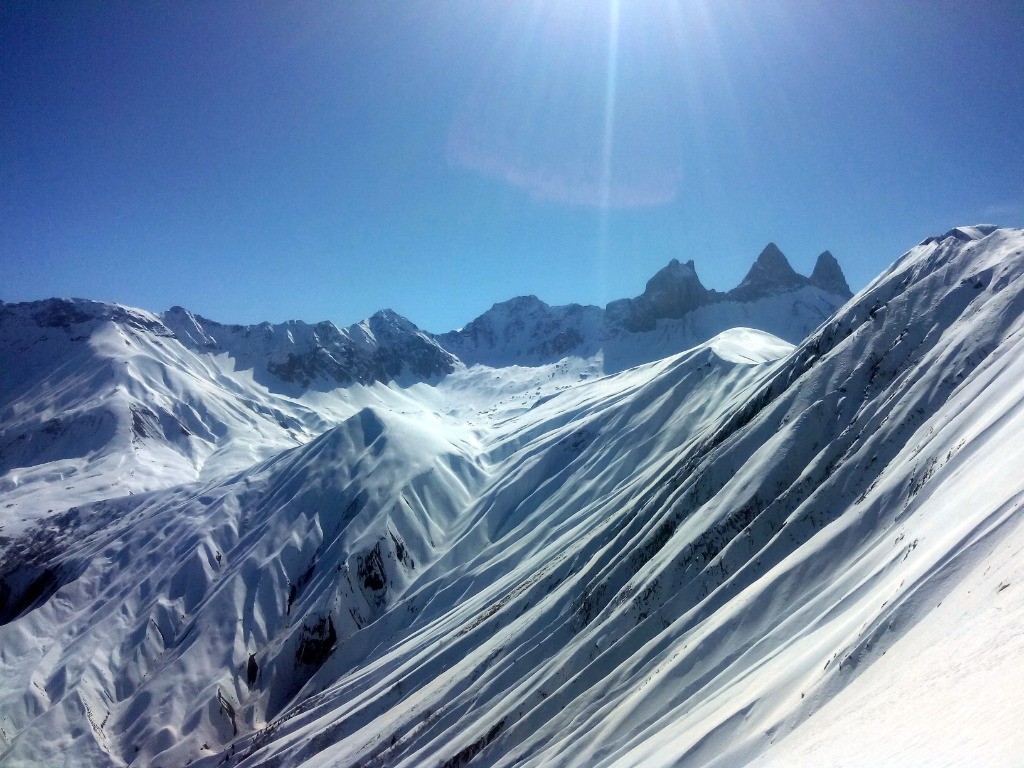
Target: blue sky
(267,161)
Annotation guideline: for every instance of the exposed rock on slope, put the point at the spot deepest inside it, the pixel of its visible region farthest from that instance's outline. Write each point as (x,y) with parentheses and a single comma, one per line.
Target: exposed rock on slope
(381,348)
(828,276)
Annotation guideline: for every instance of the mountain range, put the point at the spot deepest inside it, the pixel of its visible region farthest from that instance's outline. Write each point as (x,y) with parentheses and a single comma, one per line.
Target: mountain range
(778,525)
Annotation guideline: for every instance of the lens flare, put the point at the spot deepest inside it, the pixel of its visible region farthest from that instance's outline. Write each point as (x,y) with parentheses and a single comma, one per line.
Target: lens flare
(579,105)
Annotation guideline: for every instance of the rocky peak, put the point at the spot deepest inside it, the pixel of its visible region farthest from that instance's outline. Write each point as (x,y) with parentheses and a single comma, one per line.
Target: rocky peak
(388,321)
(770,274)
(674,290)
(828,275)
(519,305)
(673,272)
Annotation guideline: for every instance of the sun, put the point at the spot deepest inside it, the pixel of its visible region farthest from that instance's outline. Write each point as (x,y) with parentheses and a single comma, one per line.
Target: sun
(580,104)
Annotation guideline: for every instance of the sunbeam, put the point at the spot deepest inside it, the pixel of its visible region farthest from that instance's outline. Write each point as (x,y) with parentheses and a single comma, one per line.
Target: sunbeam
(610,91)
(608,142)
(578,105)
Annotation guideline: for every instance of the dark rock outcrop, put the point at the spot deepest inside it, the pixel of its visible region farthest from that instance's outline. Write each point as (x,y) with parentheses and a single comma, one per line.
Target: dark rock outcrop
(828,276)
(381,348)
(770,274)
(673,292)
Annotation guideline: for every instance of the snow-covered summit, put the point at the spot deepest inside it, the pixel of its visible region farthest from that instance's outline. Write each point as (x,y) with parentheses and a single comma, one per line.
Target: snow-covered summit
(526,331)
(381,348)
(964,234)
(80,315)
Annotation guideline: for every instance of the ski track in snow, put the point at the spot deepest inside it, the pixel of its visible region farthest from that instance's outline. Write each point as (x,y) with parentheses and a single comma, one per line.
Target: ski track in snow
(747,553)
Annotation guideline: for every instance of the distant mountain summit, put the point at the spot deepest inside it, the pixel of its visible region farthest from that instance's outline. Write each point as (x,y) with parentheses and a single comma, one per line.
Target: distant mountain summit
(384,347)
(675,312)
(828,276)
(674,291)
(526,331)
(770,274)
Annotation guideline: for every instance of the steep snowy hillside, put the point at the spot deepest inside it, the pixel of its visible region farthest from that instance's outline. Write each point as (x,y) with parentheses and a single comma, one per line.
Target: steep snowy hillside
(289,559)
(99,401)
(741,553)
(700,608)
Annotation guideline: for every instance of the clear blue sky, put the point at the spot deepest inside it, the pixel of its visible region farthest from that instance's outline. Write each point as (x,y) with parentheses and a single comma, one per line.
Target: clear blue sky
(267,160)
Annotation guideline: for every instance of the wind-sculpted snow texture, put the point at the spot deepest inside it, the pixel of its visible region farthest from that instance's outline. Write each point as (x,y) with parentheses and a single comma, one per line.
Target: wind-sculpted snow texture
(99,401)
(746,553)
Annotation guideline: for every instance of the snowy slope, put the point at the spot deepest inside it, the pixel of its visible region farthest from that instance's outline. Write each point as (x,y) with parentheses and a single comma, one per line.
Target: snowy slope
(330,535)
(696,609)
(743,553)
(100,401)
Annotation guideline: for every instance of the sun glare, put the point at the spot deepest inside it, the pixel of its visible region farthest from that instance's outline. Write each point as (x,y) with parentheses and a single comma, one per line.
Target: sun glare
(579,105)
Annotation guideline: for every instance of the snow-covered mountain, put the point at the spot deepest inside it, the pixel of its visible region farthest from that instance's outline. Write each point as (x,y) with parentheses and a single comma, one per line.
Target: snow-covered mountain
(675,312)
(743,553)
(382,348)
(99,401)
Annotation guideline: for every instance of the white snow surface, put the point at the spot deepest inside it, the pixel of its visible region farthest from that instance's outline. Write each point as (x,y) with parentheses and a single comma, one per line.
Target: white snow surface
(748,553)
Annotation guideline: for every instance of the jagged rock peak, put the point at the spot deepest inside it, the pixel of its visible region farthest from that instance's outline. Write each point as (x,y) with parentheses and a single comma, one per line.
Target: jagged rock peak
(675,269)
(771,273)
(391,319)
(771,261)
(674,290)
(828,275)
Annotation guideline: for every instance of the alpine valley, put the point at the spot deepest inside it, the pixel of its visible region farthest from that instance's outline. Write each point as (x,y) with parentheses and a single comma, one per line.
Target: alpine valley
(774,526)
